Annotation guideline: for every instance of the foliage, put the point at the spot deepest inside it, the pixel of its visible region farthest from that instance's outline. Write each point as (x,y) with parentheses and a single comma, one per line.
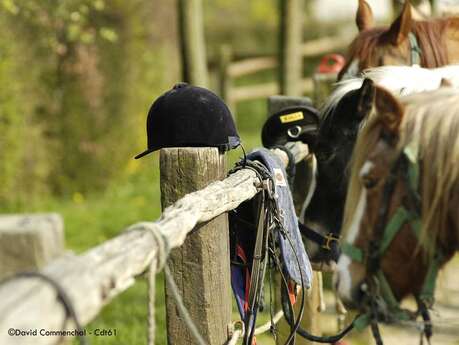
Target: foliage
(78,77)
(61,22)
(251,29)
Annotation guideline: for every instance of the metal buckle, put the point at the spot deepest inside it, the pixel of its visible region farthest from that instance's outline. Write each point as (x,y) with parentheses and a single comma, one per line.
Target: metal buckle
(269,188)
(329,238)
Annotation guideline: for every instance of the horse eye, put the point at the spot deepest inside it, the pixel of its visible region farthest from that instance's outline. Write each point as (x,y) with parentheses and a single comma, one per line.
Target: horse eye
(369,182)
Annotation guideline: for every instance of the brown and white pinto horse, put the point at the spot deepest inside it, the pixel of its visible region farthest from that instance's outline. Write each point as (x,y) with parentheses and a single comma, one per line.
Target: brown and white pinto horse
(407,42)
(423,129)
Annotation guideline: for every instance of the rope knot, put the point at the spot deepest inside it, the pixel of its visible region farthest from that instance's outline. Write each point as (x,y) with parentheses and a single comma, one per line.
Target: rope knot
(161,241)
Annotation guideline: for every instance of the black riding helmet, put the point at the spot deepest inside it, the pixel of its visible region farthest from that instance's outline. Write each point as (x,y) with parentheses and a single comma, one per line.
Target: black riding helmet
(190,116)
(298,123)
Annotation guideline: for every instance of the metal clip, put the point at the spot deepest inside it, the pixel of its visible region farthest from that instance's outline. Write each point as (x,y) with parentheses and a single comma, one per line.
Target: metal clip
(329,238)
(268,187)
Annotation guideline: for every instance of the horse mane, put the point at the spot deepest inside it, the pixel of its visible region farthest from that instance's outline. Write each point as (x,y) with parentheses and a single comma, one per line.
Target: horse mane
(363,45)
(431,38)
(430,35)
(431,122)
(400,80)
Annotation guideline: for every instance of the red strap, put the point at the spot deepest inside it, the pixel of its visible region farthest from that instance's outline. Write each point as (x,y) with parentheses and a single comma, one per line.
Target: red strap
(291,292)
(240,252)
(331,63)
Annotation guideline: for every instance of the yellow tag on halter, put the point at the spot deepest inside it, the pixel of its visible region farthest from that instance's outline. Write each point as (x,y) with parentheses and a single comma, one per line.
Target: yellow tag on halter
(292,117)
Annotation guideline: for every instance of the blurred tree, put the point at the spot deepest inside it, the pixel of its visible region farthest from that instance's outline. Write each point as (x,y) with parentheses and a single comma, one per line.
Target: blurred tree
(79,76)
(248,26)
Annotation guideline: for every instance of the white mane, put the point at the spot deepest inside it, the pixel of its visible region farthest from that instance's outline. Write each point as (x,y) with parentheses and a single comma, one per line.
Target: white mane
(400,80)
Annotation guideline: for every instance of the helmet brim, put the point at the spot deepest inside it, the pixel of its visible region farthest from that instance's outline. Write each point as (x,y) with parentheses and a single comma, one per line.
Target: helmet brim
(144,153)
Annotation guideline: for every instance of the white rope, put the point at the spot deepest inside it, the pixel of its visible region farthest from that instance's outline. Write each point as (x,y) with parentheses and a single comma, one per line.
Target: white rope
(267,326)
(151,302)
(156,265)
(239,333)
(235,337)
(322,306)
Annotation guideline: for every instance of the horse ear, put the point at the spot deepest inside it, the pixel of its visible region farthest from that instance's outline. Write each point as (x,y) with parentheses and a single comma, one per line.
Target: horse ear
(364,18)
(390,111)
(401,27)
(366,98)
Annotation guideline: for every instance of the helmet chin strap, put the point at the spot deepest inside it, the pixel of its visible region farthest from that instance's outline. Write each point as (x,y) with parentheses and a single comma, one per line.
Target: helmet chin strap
(244,159)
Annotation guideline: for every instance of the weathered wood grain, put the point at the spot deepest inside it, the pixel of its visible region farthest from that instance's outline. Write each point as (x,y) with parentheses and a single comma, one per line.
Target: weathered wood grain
(94,278)
(243,93)
(200,267)
(310,48)
(29,241)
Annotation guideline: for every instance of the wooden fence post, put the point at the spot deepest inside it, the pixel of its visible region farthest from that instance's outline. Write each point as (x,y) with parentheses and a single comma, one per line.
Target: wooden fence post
(201,266)
(192,42)
(434,7)
(291,39)
(225,79)
(29,241)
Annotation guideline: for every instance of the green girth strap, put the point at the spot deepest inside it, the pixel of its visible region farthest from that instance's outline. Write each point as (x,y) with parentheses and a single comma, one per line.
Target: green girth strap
(386,291)
(428,289)
(352,251)
(362,322)
(400,217)
(415,49)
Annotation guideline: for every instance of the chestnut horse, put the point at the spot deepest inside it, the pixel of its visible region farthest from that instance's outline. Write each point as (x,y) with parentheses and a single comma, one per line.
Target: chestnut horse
(341,118)
(430,44)
(401,223)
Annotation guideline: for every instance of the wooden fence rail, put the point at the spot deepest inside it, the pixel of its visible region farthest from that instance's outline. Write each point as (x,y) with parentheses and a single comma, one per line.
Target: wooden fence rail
(244,93)
(94,278)
(311,48)
(228,71)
